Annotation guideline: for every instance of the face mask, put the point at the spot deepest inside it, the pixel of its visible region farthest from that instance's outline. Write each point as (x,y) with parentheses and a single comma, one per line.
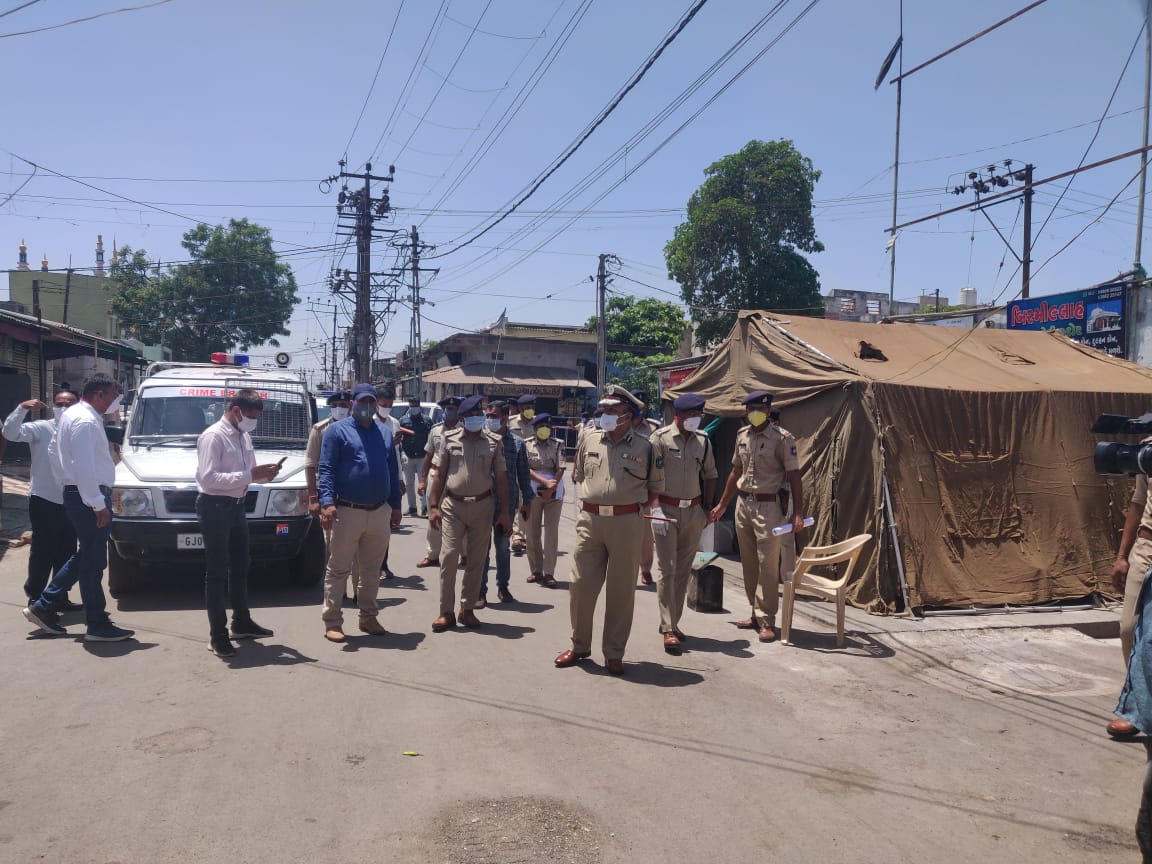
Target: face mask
(57,412)
(474,424)
(608,422)
(757,418)
(414,410)
(493,424)
(544,433)
(596,422)
(528,413)
(115,406)
(363,411)
(339,413)
(248,424)
(691,424)
(384,411)
(450,415)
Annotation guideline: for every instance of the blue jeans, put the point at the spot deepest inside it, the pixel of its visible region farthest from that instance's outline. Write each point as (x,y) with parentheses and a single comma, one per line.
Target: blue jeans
(503,560)
(86,566)
(224,526)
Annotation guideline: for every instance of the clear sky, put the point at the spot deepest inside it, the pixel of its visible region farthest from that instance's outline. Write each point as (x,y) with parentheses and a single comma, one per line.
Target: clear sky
(217,109)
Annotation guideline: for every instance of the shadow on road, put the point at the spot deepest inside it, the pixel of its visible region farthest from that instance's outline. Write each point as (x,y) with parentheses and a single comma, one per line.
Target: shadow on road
(414,582)
(855,644)
(252,653)
(115,649)
(652,674)
(735,648)
(393,641)
(521,606)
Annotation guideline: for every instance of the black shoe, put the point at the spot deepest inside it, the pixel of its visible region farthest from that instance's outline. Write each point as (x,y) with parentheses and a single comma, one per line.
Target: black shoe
(411,511)
(67,605)
(423,513)
(483,601)
(249,630)
(48,622)
(222,646)
(505,595)
(388,574)
(107,632)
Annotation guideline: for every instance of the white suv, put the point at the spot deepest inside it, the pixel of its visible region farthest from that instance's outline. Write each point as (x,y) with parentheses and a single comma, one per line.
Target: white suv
(154,499)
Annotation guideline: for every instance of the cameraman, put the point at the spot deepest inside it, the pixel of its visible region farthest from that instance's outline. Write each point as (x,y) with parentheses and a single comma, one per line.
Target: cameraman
(1128,571)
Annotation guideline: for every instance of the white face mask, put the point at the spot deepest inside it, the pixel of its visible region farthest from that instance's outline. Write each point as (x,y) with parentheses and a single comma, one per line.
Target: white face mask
(339,413)
(608,422)
(596,422)
(58,412)
(247,424)
(691,424)
(385,411)
(493,424)
(115,406)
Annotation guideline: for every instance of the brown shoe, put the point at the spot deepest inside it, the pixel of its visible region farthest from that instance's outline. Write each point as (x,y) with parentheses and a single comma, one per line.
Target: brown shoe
(535,577)
(680,635)
(335,634)
(372,627)
(615,666)
(671,643)
(570,658)
(446,621)
(767,634)
(1119,728)
(749,623)
(467,618)
(428,562)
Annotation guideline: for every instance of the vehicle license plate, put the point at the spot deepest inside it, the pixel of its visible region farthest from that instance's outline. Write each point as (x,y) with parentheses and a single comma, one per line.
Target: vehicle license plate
(189,541)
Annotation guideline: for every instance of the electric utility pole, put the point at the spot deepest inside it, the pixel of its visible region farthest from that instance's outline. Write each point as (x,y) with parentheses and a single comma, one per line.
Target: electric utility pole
(601,322)
(415,247)
(983,181)
(358,211)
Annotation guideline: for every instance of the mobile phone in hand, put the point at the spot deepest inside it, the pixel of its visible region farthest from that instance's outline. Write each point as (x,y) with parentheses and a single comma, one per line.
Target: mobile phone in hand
(283,459)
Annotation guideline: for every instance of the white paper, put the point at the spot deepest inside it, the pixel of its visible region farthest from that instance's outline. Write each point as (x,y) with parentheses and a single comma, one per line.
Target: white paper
(550,476)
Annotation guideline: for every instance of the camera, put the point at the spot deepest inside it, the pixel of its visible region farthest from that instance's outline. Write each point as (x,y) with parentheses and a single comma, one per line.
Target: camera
(1112,457)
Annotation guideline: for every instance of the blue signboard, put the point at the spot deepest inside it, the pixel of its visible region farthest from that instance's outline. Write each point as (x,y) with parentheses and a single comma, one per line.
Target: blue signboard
(1093,317)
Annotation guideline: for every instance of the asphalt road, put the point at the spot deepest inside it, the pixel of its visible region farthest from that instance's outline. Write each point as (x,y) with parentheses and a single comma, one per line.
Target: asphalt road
(934,746)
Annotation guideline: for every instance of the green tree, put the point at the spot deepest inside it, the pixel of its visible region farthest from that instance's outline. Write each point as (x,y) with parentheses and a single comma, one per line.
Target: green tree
(640,333)
(231,293)
(740,245)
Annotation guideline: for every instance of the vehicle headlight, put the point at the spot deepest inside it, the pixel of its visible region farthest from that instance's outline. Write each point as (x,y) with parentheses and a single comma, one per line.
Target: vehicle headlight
(132,503)
(287,502)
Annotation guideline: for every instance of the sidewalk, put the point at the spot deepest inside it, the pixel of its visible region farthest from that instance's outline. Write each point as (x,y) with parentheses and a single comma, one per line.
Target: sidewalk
(14,500)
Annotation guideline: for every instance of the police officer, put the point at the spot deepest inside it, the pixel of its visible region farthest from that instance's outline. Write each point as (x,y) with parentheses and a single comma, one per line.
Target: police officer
(644,427)
(460,504)
(618,473)
(689,486)
(545,456)
(521,426)
(450,404)
(765,456)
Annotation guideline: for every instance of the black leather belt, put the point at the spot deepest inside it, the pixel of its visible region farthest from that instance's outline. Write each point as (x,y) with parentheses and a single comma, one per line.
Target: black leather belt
(340,502)
(70,488)
(468,499)
(1143,533)
(760,496)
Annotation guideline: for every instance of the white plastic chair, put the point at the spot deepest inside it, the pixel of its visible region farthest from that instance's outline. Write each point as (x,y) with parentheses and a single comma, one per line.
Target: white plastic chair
(804,581)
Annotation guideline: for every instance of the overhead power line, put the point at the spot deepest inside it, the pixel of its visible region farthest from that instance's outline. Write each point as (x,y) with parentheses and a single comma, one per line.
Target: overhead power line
(81,20)
(18,8)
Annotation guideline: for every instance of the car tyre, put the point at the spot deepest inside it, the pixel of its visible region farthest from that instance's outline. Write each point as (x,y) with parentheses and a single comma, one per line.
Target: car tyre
(308,568)
(123,573)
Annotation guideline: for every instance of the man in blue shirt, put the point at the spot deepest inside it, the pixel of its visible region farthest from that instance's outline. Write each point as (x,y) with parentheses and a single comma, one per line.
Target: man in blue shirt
(519,489)
(358,480)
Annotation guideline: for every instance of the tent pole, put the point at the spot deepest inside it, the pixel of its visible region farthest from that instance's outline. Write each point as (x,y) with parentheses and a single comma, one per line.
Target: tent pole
(896,546)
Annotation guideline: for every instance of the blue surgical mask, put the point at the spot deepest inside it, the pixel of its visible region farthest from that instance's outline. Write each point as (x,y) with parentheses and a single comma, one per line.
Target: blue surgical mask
(474,424)
(493,424)
(339,413)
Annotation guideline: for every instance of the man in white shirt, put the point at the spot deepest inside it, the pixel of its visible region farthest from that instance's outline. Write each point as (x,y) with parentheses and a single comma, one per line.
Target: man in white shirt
(53,540)
(81,463)
(385,399)
(226,464)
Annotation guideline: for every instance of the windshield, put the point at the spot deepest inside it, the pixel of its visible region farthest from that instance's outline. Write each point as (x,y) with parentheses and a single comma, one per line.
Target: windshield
(434,412)
(163,414)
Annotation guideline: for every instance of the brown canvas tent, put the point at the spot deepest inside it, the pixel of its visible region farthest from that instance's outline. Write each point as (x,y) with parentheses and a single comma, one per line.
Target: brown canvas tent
(979,439)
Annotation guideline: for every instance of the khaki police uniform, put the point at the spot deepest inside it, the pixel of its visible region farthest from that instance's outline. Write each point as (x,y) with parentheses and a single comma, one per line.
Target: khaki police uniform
(468,464)
(1138,560)
(312,460)
(647,549)
(615,480)
(433,537)
(543,525)
(787,541)
(764,458)
(688,461)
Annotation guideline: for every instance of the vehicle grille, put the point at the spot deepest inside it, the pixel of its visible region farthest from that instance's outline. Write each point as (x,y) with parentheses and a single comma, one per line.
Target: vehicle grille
(184,501)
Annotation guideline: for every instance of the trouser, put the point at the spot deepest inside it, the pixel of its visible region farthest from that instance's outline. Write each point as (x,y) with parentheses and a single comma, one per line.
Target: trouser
(53,543)
(466,527)
(606,554)
(433,535)
(224,527)
(411,478)
(1138,561)
(760,555)
(360,540)
(543,534)
(518,527)
(647,549)
(675,552)
(502,550)
(86,565)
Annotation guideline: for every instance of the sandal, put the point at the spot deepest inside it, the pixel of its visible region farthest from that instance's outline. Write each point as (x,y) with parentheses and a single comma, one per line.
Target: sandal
(549,581)
(536,577)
